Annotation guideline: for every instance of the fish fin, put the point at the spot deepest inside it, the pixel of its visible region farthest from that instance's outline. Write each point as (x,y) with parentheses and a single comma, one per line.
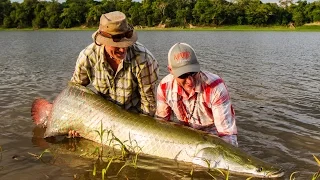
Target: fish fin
(40,111)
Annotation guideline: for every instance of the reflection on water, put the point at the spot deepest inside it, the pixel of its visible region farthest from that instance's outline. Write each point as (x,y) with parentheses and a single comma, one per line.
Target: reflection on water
(272,78)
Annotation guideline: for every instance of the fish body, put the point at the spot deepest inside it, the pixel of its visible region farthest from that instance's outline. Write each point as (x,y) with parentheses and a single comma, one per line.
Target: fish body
(78,108)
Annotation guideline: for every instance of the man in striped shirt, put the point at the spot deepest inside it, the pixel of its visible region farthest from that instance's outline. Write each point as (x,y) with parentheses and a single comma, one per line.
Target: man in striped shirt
(198,99)
(119,68)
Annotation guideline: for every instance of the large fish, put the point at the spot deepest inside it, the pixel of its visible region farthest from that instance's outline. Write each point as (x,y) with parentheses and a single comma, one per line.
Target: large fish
(78,108)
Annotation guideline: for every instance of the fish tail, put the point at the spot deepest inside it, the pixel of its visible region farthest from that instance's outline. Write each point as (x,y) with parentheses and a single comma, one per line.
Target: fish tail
(40,111)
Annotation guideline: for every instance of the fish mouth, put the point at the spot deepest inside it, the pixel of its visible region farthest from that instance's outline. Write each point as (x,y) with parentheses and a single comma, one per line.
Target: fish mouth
(276,174)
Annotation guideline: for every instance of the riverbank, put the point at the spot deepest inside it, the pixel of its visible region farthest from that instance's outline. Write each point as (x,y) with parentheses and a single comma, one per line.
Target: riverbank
(238,28)
(307,27)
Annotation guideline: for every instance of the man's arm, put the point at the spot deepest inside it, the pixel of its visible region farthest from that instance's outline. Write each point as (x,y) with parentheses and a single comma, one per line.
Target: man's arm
(148,77)
(163,109)
(81,74)
(223,114)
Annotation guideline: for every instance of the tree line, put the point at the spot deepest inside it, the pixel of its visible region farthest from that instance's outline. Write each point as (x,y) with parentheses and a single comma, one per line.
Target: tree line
(165,13)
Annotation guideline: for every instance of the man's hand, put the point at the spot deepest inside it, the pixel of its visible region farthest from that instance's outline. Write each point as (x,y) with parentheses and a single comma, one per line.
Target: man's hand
(73,134)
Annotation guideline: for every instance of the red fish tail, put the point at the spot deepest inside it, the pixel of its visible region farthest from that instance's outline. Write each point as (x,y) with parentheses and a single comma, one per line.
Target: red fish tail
(40,111)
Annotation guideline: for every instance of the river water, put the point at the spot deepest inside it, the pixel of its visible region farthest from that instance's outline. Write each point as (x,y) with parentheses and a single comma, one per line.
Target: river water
(273,79)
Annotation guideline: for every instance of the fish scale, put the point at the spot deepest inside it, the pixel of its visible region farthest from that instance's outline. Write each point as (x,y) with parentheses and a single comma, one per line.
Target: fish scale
(78,108)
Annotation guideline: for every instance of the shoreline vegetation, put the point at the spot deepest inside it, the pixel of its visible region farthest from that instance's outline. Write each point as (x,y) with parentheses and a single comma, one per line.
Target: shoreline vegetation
(307,27)
(207,15)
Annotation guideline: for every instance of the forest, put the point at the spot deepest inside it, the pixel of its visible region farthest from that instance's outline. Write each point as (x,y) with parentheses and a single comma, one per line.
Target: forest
(39,14)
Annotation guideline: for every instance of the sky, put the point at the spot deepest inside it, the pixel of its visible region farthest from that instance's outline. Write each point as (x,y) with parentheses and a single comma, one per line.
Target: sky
(264,1)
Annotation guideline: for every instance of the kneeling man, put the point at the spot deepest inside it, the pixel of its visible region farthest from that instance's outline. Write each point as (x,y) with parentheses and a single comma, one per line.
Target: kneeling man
(198,99)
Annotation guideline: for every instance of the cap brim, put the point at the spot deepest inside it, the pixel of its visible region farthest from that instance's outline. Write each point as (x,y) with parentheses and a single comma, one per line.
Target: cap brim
(124,42)
(185,69)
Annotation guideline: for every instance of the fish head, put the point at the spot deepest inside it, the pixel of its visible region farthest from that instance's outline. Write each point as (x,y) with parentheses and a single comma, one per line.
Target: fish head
(236,161)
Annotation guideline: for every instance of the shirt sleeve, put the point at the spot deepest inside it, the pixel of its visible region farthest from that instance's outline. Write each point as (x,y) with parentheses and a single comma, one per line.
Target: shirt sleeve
(81,74)
(223,114)
(147,79)
(163,109)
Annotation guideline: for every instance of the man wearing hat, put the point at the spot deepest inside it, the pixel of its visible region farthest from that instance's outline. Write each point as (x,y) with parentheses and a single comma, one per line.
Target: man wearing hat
(198,99)
(119,68)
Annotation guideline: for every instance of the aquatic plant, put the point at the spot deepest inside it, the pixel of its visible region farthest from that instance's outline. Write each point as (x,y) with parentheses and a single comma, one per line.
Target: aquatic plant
(222,172)
(101,133)
(105,170)
(132,147)
(315,176)
(136,150)
(39,157)
(291,176)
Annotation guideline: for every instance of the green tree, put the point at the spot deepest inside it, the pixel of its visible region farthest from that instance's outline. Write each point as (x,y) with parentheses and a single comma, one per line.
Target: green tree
(181,16)
(108,6)
(203,12)
(239,9)
(5,8)
(232,13)
(316,15)
(184,13)
(124,6)
(40,14)
(95,10)
(93,16)
(148,12)
(316,11)
(159,9)
(53,10)
(137,15)
(20,15)
(26,13)
(10,21)
(74,13)
(256,13)
(312,11)
(298,13)
(273,13)
(220,10)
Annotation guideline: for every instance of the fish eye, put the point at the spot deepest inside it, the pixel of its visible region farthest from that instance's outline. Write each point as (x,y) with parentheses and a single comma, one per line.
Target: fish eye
(259,169)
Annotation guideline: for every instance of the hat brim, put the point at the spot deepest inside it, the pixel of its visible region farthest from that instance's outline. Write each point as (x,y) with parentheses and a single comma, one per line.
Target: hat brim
(124,42)
(185,69)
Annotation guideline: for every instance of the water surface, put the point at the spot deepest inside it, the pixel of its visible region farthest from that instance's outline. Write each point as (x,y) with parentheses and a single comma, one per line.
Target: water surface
(273,79)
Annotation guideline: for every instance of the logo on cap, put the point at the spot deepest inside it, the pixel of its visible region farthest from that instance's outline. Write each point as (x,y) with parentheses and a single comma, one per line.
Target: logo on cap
(182,56)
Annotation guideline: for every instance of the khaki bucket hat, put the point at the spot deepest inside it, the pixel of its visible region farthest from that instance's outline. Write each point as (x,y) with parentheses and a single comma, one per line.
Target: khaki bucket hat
(114,30)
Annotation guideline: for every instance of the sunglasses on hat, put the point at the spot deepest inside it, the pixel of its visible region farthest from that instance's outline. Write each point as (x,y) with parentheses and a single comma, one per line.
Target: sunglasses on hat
(186,75)
(117,37)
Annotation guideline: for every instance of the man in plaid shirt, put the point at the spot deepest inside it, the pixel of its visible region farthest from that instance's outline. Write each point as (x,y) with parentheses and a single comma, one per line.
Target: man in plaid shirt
(198,99)
(119,68)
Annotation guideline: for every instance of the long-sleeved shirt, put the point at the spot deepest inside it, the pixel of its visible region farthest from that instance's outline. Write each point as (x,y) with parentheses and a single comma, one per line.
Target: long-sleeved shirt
(207,108)
(133,85)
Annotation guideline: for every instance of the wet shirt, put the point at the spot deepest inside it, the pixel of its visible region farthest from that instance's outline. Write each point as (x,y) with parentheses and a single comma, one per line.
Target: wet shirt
(133,85)
(207,108)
